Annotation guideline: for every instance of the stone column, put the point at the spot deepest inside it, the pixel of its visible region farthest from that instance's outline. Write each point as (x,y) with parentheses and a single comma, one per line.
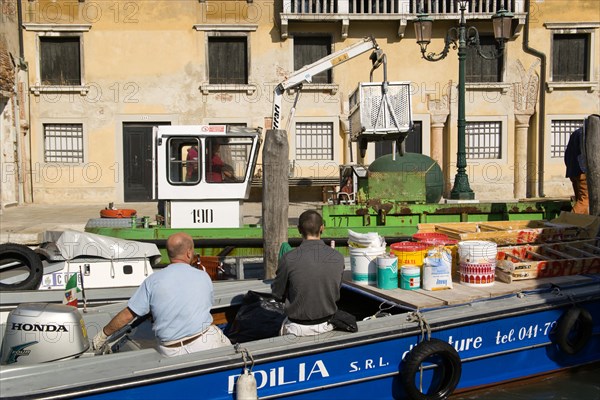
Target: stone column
(439,109)
(525,93)
(520,173)
(438,121)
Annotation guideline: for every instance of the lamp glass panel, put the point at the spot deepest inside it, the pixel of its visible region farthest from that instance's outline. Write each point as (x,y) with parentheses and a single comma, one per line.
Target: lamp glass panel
(423,30)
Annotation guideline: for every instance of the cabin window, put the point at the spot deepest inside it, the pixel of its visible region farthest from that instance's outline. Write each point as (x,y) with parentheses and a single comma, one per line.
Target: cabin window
(228,60)
(60,60)
(227,159)
(479,69)
(308,49)
(184,161)
(560,131)
(314,141)
(484,140)
(570,57)
(63,143)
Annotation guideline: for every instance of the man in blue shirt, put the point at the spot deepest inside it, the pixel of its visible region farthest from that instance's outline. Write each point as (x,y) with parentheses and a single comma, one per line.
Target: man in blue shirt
(179,297)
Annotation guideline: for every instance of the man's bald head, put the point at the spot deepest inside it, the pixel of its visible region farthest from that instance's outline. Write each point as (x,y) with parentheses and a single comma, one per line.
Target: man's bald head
(180,246)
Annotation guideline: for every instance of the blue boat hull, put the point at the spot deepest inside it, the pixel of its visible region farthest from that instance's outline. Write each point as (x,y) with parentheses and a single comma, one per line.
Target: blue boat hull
(497,350)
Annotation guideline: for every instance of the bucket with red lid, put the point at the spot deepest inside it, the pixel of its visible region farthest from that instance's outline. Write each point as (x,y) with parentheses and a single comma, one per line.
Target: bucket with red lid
(409,253)
(432,239)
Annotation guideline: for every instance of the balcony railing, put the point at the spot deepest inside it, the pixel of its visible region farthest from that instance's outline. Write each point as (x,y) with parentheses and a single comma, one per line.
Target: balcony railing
(395,10)
(397,6)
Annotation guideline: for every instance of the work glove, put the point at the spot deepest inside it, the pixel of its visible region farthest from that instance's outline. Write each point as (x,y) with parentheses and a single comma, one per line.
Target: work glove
(99,340)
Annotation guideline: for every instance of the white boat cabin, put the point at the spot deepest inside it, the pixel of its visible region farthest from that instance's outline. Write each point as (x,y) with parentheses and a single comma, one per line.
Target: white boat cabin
(202,173)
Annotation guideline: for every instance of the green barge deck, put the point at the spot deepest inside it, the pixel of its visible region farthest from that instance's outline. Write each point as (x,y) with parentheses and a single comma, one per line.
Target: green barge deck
(394,221)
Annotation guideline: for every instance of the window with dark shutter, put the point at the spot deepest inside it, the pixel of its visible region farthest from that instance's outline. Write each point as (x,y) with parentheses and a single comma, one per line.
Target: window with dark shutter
(308,49)
(228,60)
(60,62)
(570,57)
(477,68)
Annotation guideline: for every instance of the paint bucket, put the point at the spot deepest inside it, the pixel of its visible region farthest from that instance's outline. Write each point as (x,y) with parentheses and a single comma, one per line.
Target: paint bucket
(409,253)
(363,264)
(430,236)
(387,272)
(477,262)
(410,277)
(432,240)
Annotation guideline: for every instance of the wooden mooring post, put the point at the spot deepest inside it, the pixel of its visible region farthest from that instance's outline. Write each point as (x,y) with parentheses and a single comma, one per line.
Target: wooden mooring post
(276,197)
(592,149)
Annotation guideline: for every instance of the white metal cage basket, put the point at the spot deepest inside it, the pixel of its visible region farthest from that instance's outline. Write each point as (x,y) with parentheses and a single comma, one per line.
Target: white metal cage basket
(374,112)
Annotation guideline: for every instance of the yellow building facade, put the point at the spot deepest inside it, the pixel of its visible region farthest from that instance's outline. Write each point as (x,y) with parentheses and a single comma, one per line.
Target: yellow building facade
(102,73)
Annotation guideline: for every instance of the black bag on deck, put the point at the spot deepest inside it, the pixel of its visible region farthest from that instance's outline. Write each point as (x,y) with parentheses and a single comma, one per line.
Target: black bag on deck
(343,321)
(259,317)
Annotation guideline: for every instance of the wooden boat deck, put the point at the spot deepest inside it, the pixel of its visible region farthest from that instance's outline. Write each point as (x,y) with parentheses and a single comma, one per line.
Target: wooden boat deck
(460,294)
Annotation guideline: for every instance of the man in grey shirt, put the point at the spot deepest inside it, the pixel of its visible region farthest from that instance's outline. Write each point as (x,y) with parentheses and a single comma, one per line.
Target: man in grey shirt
(308,280)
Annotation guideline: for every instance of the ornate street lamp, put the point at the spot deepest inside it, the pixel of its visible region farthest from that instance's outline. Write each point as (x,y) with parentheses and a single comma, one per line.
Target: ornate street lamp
(460,37)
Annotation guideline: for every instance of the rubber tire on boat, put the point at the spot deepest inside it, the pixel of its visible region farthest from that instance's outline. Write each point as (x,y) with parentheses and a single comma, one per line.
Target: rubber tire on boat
(30,259)
(574,330)
(449,362)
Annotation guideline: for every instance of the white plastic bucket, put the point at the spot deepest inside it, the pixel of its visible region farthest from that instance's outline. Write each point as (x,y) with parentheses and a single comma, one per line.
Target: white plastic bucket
(363,264)
(477,262)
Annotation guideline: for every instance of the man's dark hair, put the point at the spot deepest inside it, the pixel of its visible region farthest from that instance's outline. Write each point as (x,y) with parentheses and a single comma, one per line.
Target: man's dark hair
(309,223)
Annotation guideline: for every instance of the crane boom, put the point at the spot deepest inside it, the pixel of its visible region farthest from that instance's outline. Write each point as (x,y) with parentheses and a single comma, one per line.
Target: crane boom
(306,73)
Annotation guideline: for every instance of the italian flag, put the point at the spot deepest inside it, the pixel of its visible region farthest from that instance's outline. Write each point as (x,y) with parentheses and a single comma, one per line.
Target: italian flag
(71,291)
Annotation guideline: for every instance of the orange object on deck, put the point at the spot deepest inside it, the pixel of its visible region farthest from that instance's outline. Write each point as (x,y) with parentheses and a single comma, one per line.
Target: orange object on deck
(118,213)
(213,266)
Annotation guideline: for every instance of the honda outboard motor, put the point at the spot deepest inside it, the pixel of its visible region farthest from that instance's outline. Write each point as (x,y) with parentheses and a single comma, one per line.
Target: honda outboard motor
(42,332)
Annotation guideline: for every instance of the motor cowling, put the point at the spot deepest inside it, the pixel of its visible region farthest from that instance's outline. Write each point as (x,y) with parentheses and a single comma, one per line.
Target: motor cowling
(42,332)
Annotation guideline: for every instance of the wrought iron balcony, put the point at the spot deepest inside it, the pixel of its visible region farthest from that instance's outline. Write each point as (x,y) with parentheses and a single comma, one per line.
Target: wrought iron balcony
(391,10)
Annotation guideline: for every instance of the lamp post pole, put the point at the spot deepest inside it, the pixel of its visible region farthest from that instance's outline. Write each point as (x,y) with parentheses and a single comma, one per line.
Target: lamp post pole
(461,189)
(461,37)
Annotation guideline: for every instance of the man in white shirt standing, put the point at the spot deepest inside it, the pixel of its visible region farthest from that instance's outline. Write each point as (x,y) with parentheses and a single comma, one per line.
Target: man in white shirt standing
(179,297)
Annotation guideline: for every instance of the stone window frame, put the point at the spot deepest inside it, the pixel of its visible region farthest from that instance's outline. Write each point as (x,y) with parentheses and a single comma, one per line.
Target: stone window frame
(58,30)
(504,150)
(233,30)
(574,28)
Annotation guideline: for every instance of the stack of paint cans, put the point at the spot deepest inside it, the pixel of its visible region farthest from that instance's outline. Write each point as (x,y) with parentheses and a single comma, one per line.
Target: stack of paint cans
(433,239)
(477,262)
(365,249)
(410,259)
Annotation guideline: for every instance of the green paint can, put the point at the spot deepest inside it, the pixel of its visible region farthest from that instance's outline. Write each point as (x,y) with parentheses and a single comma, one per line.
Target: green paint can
(387,272)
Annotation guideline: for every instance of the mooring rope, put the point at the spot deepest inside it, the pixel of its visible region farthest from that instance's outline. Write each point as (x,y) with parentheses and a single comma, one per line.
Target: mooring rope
(416,316)
(245,356)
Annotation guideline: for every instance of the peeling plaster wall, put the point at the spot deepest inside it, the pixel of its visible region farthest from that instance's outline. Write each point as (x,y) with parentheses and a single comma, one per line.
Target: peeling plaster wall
(9,123)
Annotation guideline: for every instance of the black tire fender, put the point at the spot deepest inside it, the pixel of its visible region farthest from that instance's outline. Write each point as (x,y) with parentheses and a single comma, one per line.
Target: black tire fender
(17,252)
(574,330)
(449,369)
